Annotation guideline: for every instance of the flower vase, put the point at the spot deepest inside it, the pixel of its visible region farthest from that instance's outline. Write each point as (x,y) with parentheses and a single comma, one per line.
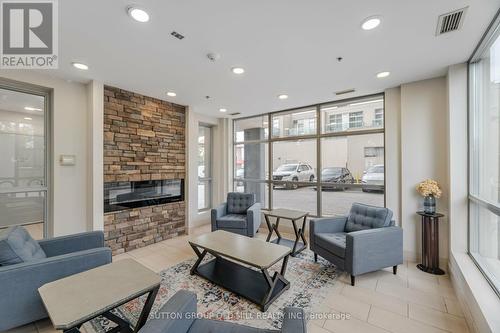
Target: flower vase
(430,204)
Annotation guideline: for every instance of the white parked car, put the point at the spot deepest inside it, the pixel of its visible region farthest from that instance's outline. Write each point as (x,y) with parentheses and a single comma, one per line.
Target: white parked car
(374,176)
(293,173)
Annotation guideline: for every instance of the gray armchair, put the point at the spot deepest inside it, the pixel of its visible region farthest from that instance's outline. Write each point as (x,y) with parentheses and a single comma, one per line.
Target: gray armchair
(240,214)
(365,241)
(178,315)
(20,302)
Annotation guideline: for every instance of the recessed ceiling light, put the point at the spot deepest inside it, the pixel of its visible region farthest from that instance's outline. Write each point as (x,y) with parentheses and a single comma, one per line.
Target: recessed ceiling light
(81,66)
(371,23)
(30,108)
(283,96)
(383,74)
(238,70)
(28,118)
(223,110)
(171,94)
(138,14)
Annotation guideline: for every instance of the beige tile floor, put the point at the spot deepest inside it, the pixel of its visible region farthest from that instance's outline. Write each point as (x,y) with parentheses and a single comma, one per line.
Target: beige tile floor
(411,301)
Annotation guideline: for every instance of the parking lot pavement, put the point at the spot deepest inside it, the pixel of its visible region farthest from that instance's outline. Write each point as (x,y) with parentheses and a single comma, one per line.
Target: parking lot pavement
(334,202)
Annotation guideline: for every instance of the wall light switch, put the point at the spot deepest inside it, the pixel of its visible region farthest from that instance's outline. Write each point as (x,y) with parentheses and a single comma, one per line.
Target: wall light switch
(67,160)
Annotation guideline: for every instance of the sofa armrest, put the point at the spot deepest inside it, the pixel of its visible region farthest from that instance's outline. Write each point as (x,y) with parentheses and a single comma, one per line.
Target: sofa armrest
(20,302)
(216,213)
(294,321)
(253,218)
(176,316)
(72,243)
(373,249)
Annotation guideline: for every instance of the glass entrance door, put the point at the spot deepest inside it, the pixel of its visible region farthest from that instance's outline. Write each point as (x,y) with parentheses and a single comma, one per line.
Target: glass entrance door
(23,160)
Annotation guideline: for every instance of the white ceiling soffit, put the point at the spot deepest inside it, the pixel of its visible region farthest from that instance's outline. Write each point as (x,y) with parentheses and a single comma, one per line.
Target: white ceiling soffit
(285,46)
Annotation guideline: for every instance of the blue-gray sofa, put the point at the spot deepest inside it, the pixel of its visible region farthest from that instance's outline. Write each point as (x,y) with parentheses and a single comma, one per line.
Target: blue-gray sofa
(179,315)
(364,241)
(26,265)
(240,214)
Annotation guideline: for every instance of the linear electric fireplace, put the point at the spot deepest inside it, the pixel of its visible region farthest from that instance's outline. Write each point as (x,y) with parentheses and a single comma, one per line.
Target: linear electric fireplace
(127,195)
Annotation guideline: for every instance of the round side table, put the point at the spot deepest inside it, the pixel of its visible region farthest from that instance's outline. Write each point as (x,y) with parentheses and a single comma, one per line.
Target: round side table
(430,243)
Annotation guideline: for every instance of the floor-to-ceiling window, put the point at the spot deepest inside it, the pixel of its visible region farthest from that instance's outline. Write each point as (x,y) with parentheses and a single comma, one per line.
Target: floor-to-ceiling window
(319,159)
(204,167)
(24,157)
(484,165)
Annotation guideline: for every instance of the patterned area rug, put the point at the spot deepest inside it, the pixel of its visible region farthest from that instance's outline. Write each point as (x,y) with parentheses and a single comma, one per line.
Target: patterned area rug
(309,284)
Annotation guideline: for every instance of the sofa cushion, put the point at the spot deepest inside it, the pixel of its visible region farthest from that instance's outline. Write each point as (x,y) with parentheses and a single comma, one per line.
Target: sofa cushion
(334,243)
(238,203)
(234,221)
(364,217)
(219,326)
(17,246)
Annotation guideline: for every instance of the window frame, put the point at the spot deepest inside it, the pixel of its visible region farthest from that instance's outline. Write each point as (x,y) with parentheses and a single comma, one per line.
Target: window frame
(318,136)
(474,199)
(208,179)
(46,188)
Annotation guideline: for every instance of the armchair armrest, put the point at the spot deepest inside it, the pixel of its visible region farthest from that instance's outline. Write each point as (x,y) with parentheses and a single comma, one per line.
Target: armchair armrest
(72,243)
(216,213)
(294,321)
(327,225)
(373,249)
(176,316)
(253,218)
(20,302)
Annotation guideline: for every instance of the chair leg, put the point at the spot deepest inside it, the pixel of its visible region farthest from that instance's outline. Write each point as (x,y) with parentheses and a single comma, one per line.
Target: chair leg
(315,257)
(395,269)
(353,280)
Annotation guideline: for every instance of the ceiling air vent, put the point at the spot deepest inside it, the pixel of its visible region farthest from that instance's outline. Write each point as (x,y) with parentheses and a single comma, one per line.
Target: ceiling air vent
(343,92)
(450,21)
(177,35)
(235,113)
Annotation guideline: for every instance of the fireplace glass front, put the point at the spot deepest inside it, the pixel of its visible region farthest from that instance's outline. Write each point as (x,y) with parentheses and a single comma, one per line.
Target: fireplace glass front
(126,195)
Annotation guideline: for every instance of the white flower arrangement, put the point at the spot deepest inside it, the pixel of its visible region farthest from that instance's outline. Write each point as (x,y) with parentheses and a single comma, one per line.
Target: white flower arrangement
(429,187)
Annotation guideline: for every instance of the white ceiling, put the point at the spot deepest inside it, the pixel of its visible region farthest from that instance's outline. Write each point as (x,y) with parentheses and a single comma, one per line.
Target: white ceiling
(286,46)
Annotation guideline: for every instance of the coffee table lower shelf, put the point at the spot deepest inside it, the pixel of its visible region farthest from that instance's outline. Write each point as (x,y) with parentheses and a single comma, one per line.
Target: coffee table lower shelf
(257,287)
(299,246)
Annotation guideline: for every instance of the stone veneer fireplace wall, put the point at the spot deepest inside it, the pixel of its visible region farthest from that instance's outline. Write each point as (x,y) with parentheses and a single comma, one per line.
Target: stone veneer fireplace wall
(144,139)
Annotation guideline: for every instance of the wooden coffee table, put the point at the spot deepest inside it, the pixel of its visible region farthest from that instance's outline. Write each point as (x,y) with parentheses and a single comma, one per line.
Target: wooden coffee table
(76,299)
(288,214)
(228,269)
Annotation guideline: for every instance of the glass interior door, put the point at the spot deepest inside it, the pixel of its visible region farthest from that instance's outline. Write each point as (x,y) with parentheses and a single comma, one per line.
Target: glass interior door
(23,162)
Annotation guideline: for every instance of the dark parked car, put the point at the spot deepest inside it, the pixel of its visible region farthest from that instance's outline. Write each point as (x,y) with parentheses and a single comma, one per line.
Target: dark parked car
(336,178)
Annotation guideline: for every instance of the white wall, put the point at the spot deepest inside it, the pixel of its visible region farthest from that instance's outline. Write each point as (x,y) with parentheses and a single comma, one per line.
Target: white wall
(393,151)
(69,136)
(416,115)
(95,94)
(220,162)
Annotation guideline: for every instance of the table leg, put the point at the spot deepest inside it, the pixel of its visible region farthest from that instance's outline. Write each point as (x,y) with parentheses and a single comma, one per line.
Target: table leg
(301,231)
(200,255)
(146,309)
(272,282)
(269,227)
(297,237)
(276,227)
